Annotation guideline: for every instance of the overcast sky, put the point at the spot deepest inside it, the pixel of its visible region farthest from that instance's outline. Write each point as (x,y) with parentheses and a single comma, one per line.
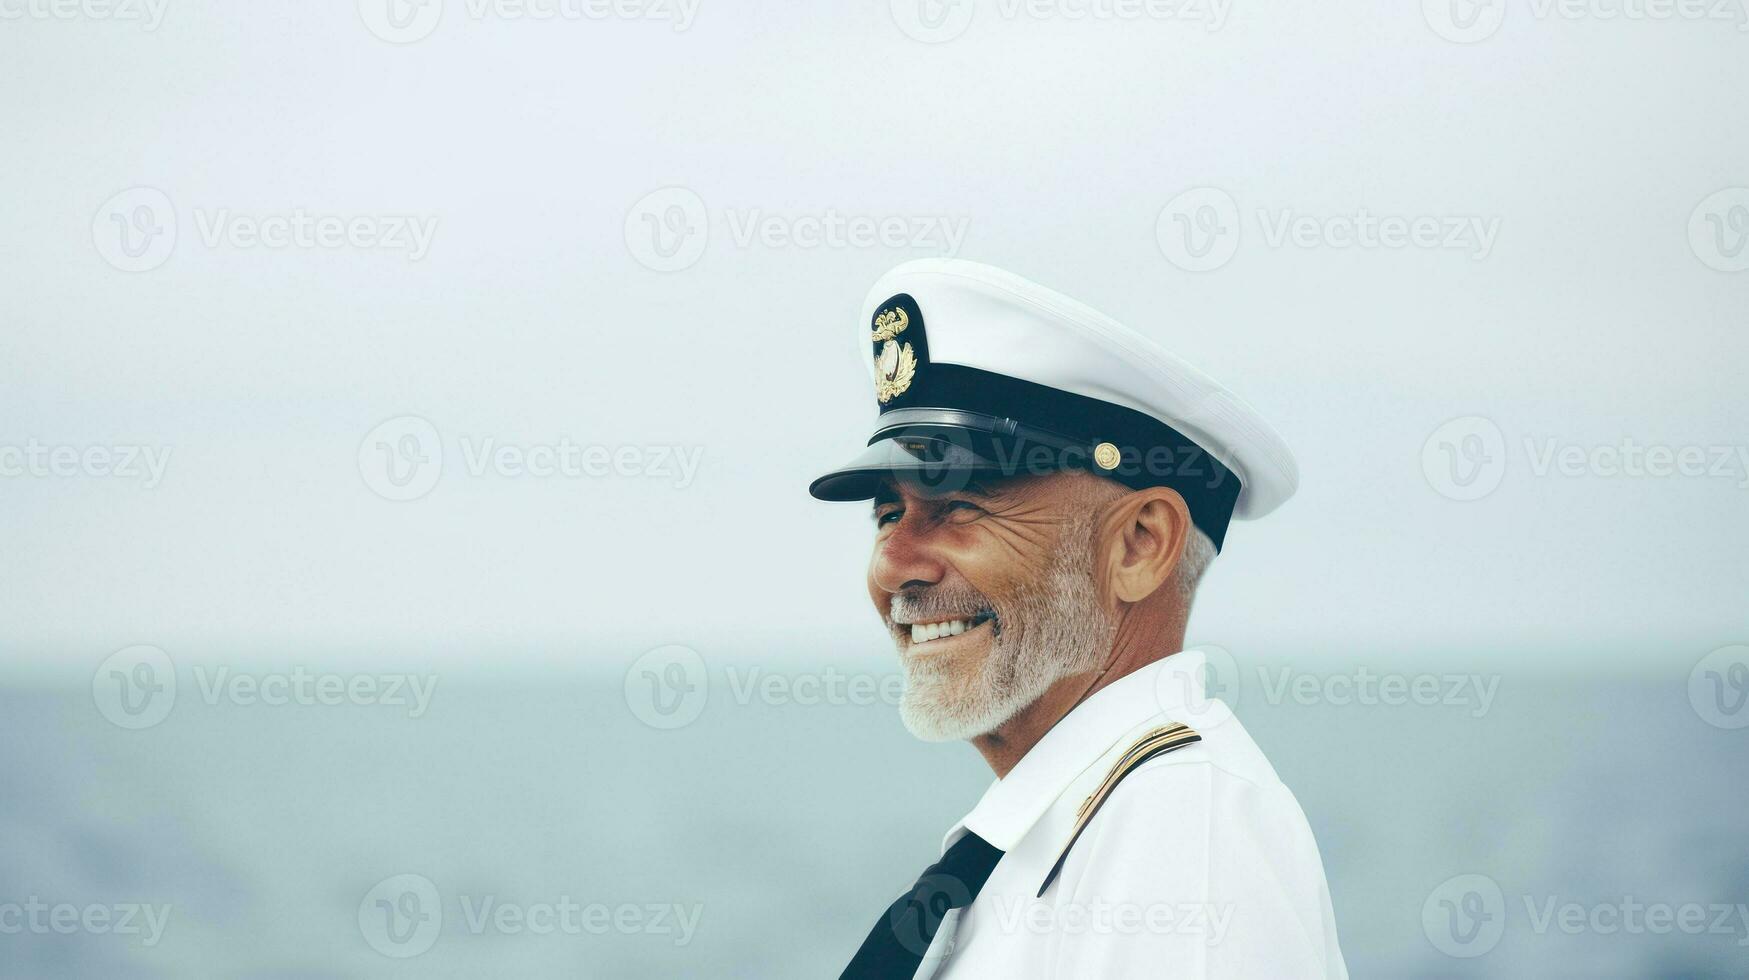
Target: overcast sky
(608,233)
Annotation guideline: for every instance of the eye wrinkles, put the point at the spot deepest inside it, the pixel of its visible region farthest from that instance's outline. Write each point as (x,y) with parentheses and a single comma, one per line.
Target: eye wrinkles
(954,510)
(1020,536)
(1010,524)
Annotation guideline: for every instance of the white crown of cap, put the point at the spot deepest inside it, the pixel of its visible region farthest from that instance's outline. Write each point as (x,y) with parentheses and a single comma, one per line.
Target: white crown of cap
(979,316)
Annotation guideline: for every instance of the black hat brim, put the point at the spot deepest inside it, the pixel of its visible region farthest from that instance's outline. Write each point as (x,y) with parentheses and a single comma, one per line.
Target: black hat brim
(939,463)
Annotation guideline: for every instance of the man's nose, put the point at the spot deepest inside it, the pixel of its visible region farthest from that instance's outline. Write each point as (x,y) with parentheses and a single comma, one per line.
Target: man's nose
(906,559)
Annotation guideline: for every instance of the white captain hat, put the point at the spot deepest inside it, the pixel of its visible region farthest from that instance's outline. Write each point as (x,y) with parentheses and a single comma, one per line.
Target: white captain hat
(1009,378)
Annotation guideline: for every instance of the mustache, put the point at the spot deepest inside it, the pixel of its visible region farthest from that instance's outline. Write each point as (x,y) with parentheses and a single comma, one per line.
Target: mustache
(939,602)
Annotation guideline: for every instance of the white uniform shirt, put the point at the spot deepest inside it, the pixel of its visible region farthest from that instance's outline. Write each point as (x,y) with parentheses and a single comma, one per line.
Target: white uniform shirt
(1198,865)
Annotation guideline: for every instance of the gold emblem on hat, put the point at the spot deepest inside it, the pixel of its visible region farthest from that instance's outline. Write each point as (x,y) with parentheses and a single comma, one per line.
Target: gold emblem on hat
(896,363)
(1106,455)
(890,324)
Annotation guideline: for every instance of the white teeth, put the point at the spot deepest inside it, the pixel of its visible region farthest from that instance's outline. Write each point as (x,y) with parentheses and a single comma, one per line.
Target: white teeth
(924,632)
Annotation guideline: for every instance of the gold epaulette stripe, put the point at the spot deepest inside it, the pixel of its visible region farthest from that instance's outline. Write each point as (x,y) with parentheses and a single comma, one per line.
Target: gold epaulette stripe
(1157,742)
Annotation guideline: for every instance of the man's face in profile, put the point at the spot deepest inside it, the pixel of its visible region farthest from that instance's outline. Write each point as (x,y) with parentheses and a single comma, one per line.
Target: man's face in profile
(990,594)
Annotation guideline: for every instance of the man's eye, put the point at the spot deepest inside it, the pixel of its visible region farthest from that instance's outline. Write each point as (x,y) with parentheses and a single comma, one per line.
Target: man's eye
(888,516)
(965,506)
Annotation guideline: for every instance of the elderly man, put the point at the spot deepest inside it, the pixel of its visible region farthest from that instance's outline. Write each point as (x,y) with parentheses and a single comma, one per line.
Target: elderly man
(1048,487)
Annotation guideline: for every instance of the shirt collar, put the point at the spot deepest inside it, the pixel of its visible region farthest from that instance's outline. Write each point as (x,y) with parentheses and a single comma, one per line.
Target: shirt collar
(1012,804)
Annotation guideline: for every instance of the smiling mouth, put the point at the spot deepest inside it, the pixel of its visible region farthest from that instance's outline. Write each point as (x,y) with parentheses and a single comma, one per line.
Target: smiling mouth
(924,634)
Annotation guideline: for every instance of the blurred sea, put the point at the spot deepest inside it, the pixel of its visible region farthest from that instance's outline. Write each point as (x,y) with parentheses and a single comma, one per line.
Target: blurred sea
(779,829)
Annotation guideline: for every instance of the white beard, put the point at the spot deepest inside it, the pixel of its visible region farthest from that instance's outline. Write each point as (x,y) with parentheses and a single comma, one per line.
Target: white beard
(1054,630)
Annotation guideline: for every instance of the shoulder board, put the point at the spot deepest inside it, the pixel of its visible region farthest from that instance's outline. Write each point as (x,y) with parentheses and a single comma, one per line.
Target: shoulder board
(1157,742)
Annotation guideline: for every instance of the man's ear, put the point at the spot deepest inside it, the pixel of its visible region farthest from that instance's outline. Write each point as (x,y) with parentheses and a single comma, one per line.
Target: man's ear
(1141,538)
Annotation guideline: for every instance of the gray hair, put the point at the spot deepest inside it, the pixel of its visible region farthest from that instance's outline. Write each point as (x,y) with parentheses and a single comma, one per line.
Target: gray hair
(1199,550)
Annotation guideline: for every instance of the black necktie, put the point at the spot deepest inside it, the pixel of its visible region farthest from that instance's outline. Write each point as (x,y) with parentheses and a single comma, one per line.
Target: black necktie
(895,946)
